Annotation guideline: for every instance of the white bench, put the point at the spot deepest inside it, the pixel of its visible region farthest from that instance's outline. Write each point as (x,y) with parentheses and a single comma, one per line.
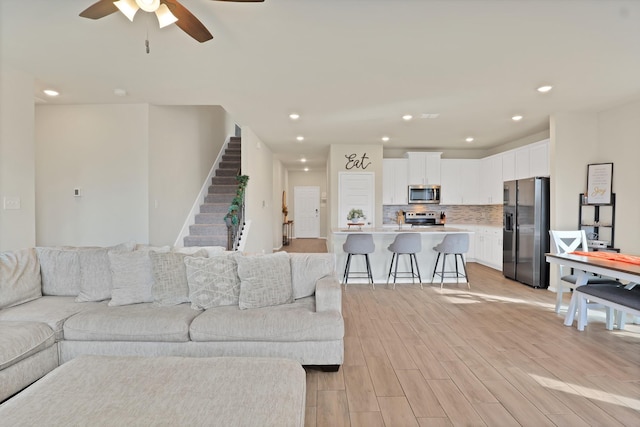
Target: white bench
(620,299)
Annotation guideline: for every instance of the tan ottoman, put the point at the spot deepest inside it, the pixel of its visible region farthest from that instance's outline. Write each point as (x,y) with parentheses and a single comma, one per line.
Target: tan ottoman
(169,391)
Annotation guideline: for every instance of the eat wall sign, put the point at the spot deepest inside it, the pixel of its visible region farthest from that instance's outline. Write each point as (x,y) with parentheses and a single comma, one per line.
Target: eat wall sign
(355,162)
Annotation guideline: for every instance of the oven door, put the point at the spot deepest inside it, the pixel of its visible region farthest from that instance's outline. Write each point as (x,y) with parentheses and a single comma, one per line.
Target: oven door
(424,194)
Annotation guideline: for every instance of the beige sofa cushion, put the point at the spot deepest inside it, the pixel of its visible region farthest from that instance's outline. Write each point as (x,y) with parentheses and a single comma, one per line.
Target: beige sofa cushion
(60,270)
(307,268)
(265,280)
(288,322)
(137,322)
(19,277)
(170,285)
(95,272)
(132,276)
(19,340)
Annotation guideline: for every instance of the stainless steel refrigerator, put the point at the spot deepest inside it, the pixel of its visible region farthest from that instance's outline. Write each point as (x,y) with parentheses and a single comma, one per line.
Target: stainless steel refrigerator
(525,231)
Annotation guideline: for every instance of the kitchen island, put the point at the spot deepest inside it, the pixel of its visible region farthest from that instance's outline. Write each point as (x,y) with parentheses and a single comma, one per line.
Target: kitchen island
(381,258)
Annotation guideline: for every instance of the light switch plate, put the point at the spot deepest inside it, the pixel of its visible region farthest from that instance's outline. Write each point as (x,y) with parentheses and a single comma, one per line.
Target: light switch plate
(11,203)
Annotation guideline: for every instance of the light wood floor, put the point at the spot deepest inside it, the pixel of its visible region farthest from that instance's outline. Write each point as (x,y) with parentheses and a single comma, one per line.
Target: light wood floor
(495,355)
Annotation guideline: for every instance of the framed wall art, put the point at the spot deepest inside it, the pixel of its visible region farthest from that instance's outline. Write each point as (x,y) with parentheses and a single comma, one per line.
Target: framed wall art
(599,183)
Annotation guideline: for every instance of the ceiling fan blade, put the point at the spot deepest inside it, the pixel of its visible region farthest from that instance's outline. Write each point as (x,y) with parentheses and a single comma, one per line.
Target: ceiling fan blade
(99,10)
(187,22)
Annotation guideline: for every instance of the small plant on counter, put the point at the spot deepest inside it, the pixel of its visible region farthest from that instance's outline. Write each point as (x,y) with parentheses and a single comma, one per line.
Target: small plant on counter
(355,214)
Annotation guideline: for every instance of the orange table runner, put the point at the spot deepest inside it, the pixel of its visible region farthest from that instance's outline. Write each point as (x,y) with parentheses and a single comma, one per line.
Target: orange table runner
(611,256)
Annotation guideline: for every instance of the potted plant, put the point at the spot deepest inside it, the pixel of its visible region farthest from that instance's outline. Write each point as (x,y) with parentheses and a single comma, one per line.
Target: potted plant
(356,216)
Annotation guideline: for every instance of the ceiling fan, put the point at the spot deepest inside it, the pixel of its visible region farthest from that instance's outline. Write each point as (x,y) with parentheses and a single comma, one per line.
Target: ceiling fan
(167,11)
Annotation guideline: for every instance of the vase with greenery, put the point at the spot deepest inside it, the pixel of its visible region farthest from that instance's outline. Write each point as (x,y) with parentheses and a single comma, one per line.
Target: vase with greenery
(356,215)
(232,218)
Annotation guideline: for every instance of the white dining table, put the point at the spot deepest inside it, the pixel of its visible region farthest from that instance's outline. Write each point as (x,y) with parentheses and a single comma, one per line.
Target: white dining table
(585,265)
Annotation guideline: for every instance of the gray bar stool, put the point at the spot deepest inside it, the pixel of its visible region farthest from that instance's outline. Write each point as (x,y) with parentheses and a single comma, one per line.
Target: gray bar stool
(358,244)
(405,244)
(456,244)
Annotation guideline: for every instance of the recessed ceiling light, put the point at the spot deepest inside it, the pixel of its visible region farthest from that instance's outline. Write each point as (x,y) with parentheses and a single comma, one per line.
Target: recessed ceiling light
(517,118)
(407,117)
(469,139)
(294,116)
(429,115)
(120,92)
(306,169)
(300,138)
(303,160)
(51,92)
(544,89)
(385,138)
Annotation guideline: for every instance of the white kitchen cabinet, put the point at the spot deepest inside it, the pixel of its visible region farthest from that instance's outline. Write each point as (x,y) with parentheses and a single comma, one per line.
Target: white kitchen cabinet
(523,163)
(508,166)
(539,159)
(394,181)
(459,181)
(488,246)
(424,167)
(491,180)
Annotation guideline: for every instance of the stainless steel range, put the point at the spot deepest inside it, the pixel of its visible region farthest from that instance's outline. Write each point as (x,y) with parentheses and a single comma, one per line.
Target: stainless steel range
(417,219)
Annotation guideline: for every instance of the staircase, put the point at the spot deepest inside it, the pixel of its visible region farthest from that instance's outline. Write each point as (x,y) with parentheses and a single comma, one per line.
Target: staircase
(209,228)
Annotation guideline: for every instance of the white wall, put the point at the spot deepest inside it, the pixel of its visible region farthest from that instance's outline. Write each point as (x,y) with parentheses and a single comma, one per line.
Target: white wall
(102,149)
(183,145)
(17,160)
(312,179)
(618,143)
(257,163)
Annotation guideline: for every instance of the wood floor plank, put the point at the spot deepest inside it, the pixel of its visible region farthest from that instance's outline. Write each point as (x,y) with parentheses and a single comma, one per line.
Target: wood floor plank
(383,377)
(366,419)
(398,355)
(360,393)
(353,355)
(520,408)
(455,405)
(429,366)
(310,416)
(420,396)
(332,409)
(312,387)
(434,422)
(494,414)
(331,380)
(468,384)
(397,412)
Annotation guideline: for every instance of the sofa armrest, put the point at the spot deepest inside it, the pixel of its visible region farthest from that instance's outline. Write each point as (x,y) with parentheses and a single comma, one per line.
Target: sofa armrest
(328,294)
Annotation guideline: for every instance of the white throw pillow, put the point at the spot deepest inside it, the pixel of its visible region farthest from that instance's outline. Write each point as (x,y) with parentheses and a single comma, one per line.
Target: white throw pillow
(213,281)
(132,276)
(19,277)
(170,285)
(60,269)
(95,272)
(265,280)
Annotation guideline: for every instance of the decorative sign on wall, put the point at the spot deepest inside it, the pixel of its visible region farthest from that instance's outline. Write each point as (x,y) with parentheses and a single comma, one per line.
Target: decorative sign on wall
(599,183)
(355,162)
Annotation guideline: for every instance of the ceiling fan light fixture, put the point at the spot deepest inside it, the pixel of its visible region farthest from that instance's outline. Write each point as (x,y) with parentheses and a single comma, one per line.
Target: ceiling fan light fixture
(165,17)
(127,7)
(148,5)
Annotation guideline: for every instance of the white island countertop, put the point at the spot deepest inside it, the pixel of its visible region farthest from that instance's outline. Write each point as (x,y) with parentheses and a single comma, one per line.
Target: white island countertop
(434,229)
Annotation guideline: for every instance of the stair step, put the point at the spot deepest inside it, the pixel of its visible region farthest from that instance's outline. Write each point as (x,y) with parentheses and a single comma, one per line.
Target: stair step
(232,156)
(224,180)
(229,165)
(214,208)
(214,218)
(206,241)
(223,189)
(227,172)
(219,198)
(208,230)
(235,139)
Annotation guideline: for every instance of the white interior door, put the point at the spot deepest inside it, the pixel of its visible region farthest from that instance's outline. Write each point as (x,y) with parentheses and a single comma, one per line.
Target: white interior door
(306,216)
(356,192)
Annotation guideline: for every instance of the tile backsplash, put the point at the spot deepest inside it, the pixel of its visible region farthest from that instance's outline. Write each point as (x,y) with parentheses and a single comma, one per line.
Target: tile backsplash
(456,214)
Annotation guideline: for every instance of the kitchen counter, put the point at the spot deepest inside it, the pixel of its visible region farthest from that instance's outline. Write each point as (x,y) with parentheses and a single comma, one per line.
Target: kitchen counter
(381,258)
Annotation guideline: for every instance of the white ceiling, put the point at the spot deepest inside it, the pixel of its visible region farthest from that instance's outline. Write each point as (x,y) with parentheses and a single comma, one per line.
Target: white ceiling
(351,68)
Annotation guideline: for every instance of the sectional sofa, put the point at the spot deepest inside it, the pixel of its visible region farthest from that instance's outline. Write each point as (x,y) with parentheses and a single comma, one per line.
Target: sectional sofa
(131,300)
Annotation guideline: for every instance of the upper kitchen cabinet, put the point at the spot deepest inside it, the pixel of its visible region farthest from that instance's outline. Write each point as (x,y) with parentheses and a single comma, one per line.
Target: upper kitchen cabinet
(526,162)
(459,182)
(394,181)
(491,180)
(424,167)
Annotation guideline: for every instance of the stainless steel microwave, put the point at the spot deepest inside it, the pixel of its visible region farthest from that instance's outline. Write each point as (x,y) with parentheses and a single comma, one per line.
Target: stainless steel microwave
(424,194)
